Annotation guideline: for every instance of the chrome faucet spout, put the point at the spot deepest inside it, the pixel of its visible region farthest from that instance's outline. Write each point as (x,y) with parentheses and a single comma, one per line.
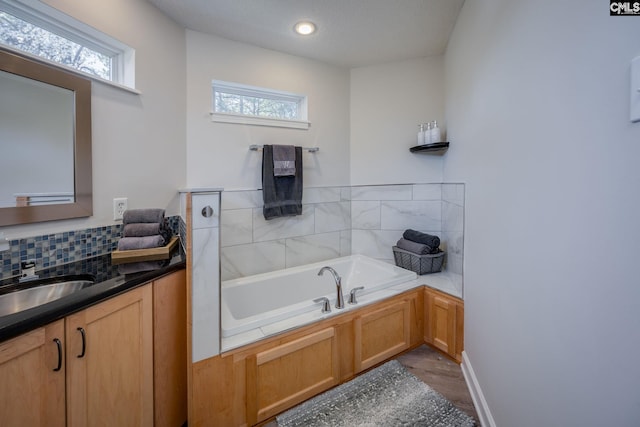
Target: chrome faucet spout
(338,279)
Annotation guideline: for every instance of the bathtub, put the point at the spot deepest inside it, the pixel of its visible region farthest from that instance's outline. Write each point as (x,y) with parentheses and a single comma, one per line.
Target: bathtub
(264,299)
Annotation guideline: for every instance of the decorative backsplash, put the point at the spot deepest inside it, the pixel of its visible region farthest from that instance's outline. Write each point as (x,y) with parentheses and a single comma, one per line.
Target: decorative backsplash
(52,250)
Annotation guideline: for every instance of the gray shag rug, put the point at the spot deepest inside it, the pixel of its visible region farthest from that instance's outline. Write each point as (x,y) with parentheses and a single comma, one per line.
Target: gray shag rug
(386,396)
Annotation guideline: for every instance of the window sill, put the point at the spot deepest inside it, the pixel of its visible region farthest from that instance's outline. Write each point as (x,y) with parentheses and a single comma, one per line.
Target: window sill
(259,121)
(70,69)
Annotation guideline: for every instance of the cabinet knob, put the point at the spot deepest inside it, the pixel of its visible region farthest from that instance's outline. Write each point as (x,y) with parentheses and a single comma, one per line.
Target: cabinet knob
(207,211)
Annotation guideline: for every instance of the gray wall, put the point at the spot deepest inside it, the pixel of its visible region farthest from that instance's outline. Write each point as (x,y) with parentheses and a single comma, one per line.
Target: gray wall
(538,115)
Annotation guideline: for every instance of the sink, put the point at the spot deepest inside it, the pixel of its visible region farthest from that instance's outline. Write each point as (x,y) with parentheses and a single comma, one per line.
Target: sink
(23,299)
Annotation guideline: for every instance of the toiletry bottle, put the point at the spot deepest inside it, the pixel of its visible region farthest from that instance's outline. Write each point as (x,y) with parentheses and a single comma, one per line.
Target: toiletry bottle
(421,134)
(427,133)
(436,135)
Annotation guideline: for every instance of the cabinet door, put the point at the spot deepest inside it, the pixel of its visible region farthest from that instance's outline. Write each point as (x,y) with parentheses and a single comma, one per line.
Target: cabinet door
(32,390)
(442,326)
(170,350)
(284,376)
(381,334)
(110,362)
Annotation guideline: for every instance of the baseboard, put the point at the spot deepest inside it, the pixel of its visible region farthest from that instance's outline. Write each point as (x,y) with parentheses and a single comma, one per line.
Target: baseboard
(482,409)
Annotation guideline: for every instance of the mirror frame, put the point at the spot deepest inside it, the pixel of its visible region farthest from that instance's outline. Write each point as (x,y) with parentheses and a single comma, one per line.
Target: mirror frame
(12,62)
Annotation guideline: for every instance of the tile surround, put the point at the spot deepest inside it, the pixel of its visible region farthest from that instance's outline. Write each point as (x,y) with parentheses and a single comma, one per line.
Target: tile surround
(337,221)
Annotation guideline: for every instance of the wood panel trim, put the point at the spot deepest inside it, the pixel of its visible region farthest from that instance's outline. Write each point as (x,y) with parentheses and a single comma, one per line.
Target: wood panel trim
(169,352)
(22,344)
(117,303)
(449,306)
(405,307)
(301,396)
(269,355)
(252,389)
(256,414)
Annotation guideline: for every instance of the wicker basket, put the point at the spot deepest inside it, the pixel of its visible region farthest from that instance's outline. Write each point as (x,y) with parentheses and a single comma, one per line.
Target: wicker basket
(421,264)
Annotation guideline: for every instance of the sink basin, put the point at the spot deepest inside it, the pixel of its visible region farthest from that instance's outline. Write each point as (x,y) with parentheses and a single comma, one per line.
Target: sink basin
(24,299)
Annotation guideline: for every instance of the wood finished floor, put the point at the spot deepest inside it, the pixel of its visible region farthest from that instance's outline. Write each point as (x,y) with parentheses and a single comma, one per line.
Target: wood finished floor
(440,373)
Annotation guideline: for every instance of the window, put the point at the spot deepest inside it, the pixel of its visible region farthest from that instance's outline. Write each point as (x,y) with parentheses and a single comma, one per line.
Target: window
(236,103)
(41,31)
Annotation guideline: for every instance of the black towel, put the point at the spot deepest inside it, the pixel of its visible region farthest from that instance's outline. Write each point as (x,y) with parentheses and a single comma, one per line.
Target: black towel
(416,248)
(282,195)
(425,239)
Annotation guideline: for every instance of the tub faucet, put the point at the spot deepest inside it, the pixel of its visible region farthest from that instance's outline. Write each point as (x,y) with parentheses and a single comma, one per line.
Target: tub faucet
(336,277)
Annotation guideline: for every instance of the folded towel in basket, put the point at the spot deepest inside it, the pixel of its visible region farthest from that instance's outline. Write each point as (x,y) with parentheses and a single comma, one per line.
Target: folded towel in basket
(284,160)
(131,216)
(416,248)
(424,238)
(146,242)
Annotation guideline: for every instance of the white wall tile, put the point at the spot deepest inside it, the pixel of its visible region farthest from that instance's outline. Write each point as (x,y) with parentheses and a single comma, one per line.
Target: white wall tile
(382,192)
(206,294)
(374,243)
(453,193)
(332,217)
(365,215)
(418,215)
(281,228)
(452,217)
(345,193)
(320,195)
(345,243)
(314,248)
(236,227)
(454,264)
(254,258)
(427,191)
(241,199)
(453,242)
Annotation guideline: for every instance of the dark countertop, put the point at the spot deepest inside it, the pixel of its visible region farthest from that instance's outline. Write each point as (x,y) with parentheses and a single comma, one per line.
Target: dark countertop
(109,281)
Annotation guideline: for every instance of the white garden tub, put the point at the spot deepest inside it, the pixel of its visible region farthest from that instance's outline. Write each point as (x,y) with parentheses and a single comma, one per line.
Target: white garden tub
(260,300)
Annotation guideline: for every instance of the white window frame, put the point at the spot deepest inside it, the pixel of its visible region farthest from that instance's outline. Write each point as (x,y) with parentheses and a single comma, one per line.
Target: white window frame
(259,92)
(55,21)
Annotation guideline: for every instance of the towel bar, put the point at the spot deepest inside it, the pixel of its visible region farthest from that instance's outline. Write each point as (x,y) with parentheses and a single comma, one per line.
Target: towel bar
(255,147)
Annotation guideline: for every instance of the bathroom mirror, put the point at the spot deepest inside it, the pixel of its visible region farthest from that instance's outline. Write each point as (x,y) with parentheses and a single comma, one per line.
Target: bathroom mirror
(45,142)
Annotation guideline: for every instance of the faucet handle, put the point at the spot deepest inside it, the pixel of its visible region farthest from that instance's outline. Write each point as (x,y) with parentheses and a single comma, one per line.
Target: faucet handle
(326,305)
(352,294)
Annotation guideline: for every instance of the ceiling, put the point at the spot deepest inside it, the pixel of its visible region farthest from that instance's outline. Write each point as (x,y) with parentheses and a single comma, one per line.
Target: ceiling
(350,33)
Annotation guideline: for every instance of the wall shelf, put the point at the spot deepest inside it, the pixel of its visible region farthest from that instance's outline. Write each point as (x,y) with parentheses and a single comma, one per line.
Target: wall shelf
(435,148)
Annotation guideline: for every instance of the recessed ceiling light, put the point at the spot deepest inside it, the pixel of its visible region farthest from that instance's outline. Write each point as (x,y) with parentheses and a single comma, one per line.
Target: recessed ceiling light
(305,28)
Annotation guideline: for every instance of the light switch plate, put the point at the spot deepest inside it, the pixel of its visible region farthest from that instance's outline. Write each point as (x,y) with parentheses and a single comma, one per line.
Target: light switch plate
(635,90)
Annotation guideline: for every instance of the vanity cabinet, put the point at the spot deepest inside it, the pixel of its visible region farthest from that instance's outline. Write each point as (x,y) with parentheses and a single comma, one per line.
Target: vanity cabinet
(110,362)
(119,362)
(444,322)
(32,389)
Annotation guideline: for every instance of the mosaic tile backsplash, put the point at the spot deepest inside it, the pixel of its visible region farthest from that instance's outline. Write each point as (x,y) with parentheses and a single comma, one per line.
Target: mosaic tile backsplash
(51,250)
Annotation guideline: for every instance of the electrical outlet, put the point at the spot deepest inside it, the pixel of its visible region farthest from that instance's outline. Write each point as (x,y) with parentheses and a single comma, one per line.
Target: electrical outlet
(119,206)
